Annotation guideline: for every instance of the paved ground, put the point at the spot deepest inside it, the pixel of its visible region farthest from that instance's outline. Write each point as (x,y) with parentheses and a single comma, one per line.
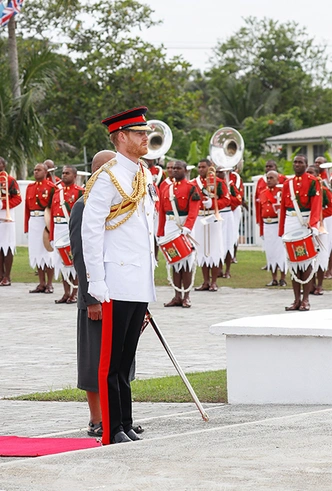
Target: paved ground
(241,447)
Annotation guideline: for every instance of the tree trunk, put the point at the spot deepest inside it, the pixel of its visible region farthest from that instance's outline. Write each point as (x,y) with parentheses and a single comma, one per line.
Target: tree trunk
(20,167)
(13,59)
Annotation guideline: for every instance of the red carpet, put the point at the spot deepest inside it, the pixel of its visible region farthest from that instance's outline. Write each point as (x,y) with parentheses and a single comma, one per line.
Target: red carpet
(18,446)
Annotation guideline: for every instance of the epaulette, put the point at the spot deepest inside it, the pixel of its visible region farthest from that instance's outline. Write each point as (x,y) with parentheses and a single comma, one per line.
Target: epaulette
(219,189)
(312,188)
(194,194)
(232,190)
(325,198)
(105,167)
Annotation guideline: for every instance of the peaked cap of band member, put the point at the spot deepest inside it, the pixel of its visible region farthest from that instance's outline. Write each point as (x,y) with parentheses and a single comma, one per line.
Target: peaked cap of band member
(133,119)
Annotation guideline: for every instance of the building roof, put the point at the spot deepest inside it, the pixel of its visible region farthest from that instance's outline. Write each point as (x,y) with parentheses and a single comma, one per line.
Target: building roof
(313,134)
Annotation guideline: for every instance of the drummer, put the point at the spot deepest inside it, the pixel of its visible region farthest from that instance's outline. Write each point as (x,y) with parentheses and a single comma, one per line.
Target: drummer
(38,199)
(208,229)
(64,198)
(324,234)
(300,208)
(179,207)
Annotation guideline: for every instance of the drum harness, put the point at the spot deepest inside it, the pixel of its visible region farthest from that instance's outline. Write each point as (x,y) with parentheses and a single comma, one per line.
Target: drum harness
(178,223)
(303,224)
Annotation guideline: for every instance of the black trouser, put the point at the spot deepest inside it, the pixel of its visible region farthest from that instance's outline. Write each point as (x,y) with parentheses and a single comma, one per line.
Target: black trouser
(121,326)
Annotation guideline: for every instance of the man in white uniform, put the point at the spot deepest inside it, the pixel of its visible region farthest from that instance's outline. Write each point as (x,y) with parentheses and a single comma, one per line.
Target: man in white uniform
(118,249)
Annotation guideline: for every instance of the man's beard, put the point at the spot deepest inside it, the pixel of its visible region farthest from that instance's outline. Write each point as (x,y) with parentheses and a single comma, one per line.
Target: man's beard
(137,149)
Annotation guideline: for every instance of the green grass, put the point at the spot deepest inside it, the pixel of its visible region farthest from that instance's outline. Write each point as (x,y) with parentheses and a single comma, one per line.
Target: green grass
(247,273)
(209,387)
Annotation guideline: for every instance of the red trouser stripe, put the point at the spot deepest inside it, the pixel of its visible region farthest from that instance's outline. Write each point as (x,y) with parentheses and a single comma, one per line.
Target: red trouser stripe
(104,366)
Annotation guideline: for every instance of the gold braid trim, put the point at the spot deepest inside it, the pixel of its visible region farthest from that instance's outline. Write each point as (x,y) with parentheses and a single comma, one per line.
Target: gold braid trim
(129,203)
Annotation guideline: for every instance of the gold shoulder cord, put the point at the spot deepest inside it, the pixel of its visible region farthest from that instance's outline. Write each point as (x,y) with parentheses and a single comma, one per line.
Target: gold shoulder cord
(129,203)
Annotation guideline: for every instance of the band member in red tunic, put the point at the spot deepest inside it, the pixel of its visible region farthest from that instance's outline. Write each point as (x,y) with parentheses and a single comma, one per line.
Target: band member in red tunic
(230,235)
(208,229)
(262,183)
(158,173)
(180,216)
(237,211)
(51,172)
(322,260)
(268,207)
(38,197)
(10,197)
(166,182)
(307,195)
(63,201)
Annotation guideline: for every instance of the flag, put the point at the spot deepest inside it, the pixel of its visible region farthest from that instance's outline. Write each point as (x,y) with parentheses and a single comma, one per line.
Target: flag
(6,13)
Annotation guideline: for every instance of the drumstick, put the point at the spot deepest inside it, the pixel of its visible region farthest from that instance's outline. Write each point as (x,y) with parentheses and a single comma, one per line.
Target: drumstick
(177,366)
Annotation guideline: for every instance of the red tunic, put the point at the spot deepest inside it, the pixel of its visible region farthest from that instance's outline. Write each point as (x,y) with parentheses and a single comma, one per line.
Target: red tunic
(56,179)
(327,207)
(302,186)
(187,201)
(164,184)
(268,198)
(13,191)
(223,195)
(261,184)
(38,196)
(155,171)
(70,195)
(235,194)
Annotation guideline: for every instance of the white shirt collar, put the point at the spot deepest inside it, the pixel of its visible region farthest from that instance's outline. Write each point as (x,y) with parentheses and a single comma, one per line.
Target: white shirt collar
(126,163)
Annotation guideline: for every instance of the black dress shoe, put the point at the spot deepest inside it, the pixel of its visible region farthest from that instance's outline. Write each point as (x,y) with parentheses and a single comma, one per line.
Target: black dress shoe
(121,437)
(138,429)
(133,436)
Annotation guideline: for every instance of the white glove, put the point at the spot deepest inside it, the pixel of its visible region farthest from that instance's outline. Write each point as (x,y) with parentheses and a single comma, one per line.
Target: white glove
(99,290)
(1,203)
(207,203)
(186,231)
(314,231)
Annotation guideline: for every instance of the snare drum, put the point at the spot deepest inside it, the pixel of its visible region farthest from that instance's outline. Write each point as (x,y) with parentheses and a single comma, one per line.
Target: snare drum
(175,247)
(300,245)
(63,246)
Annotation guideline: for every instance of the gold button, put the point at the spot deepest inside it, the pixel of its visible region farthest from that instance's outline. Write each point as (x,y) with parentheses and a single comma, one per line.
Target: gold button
(122,263)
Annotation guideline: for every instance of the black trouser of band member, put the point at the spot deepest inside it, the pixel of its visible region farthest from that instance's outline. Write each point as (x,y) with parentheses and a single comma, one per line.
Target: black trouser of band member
(121,326)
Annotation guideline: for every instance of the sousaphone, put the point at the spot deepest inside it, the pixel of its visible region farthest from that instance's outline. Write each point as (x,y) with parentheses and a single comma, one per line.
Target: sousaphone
(226,149)
(160,141)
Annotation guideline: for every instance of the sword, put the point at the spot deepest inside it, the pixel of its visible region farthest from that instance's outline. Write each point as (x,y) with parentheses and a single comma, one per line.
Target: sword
(149,318)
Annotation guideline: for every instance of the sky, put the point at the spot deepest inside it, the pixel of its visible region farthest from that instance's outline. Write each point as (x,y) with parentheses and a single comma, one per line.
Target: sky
(193,27)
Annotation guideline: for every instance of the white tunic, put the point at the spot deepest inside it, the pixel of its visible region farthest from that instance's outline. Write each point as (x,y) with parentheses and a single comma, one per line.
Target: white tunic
(210,248)
(38,255)
(274,248)
(123,257)
(61,230)
(7,233)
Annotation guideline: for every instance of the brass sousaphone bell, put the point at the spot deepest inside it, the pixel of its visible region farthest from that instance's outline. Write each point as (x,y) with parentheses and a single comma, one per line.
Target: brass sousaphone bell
(226,149)
(160,139)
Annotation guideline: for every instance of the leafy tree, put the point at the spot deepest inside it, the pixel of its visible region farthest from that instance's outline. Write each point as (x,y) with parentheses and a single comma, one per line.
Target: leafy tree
(22,132)
(283,58)
(106,70)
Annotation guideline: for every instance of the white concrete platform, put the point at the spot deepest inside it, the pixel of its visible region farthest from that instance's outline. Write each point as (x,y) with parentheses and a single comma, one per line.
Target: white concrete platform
(279,359)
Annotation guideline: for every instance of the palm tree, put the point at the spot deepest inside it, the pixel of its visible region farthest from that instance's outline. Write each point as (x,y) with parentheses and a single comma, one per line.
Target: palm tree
(21,91)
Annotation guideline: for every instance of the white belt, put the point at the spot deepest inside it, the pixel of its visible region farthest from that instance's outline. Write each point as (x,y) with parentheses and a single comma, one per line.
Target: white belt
(59,220)
(270,220)
(294,214)
(224,210)
(206,212)
(37,213)
(172,217)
